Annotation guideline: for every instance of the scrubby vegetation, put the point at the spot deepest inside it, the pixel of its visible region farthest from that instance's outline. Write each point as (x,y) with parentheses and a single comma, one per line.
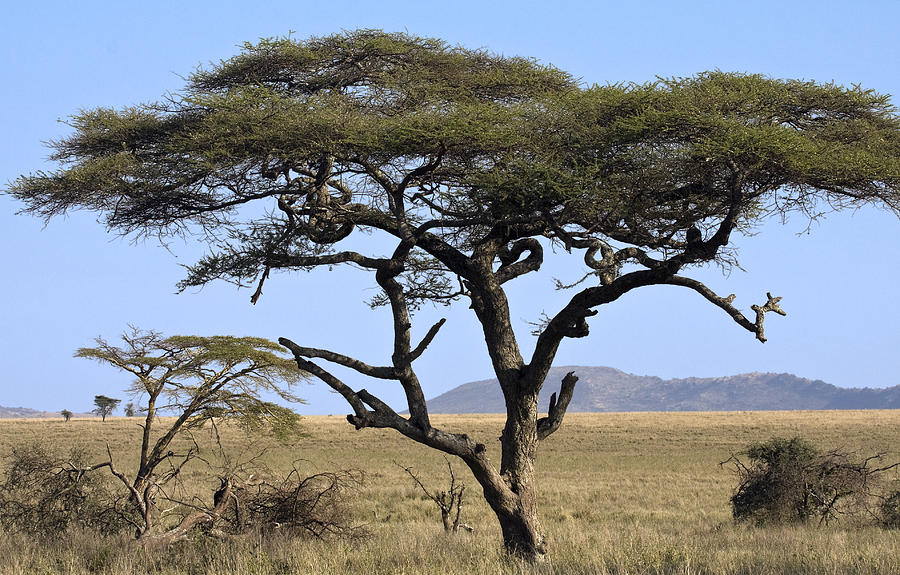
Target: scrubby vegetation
(889,510)
(623,493)
(47,494)
(792,480)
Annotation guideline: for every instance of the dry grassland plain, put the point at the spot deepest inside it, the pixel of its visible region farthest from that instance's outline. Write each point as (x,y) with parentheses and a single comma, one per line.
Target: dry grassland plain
(638,493)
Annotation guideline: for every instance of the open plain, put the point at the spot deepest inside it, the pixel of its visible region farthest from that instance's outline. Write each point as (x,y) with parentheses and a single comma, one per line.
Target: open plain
(620,493)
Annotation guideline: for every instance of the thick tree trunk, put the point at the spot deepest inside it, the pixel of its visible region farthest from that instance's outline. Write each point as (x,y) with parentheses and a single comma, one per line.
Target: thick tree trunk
(446,520)
(515,504)
(515,501)
(512,493)
(522,535)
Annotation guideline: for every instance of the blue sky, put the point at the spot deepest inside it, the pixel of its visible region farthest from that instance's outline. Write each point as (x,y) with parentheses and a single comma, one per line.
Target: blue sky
(72,281)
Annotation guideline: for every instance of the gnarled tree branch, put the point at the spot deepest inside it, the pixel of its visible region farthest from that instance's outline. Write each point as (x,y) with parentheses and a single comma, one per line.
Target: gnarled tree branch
(379,372)
(334,383)
(755,327)
(510,265)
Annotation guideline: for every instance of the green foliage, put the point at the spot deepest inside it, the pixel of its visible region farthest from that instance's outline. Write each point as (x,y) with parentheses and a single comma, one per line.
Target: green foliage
(198,378)
(322,126)
(506,140)
(105,405)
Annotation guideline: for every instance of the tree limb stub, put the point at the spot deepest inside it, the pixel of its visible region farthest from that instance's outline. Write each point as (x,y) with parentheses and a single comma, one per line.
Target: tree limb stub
(770,305)
(579,326)
(426,341)
(557,410)
(265,275)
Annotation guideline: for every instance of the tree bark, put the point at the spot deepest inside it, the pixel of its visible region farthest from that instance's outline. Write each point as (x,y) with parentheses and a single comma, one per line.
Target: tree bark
(522,535)
(513,498)
(522,532)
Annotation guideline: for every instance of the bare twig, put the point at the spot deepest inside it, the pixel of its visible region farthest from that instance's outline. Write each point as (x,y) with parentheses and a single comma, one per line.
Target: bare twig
(449,502)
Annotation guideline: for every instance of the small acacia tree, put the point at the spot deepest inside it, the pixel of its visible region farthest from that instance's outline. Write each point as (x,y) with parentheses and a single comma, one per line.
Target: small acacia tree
(105,406)
(67,415)
(469,164)
(195,379)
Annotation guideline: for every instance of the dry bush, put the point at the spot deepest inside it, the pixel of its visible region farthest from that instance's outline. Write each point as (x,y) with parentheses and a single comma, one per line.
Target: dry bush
(792,481)
(317,505)
(43,493)
(889,511)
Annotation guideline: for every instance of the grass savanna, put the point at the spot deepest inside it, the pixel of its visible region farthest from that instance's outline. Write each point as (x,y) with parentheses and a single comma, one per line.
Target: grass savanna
(620,493)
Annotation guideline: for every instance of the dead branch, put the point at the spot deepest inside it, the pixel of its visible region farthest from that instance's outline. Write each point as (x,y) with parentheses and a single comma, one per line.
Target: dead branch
(755,327)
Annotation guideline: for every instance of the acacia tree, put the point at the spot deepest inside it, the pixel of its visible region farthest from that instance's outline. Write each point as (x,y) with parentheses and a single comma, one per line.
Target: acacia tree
(195,379)
(470,164)
(105,406)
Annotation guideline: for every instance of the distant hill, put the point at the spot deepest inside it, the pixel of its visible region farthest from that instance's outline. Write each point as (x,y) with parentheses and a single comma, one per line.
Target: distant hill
(608,389)
(7,412)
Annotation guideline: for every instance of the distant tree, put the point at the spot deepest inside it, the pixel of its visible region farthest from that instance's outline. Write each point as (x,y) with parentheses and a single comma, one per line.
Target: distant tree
(196,379)
(67,415)
(129,410)
(105,405)
(466,165)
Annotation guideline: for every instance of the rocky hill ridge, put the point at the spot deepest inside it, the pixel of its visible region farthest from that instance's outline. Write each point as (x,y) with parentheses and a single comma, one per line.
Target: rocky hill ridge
(610,389)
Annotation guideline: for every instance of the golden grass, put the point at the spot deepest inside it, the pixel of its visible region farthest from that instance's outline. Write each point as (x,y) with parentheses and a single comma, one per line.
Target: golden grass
(620,493)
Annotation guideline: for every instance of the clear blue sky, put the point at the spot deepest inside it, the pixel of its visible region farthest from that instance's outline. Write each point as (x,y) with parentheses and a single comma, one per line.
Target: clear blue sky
(72,281)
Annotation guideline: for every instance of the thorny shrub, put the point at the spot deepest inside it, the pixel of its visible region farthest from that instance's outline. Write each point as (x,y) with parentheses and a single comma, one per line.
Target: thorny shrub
(792,481)
(44,493)
(316,505)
